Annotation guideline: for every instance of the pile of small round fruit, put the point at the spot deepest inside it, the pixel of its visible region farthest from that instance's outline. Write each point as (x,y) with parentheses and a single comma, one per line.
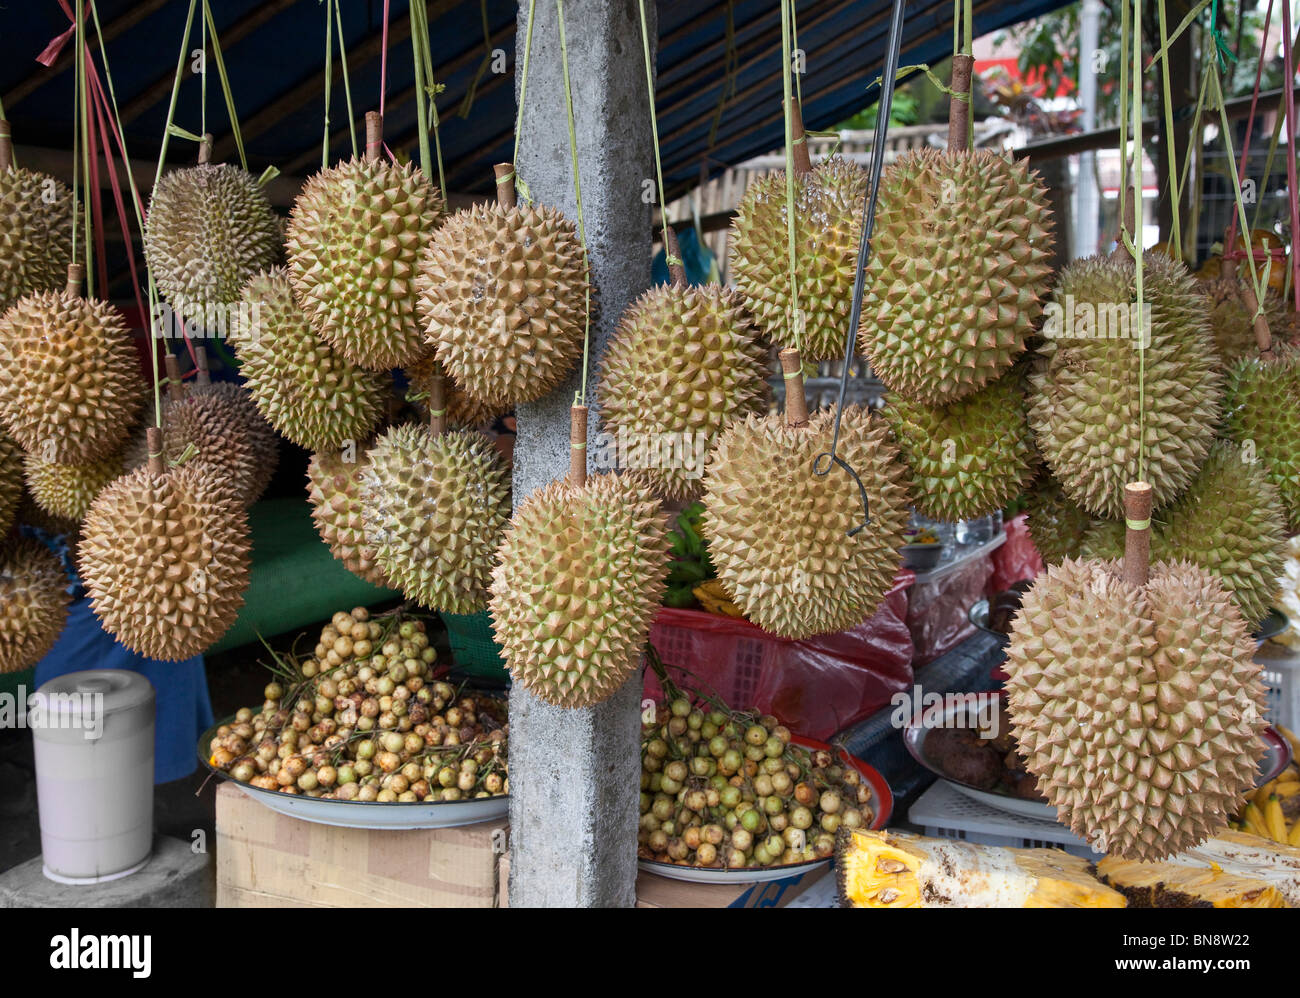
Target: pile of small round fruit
(363,720)
(728,789)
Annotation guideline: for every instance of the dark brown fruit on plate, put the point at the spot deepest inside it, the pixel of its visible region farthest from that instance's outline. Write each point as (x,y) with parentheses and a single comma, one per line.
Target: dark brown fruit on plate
(962,755)
(1025,786)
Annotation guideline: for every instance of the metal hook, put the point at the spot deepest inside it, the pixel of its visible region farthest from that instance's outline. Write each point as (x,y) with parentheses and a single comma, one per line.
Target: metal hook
(862,489)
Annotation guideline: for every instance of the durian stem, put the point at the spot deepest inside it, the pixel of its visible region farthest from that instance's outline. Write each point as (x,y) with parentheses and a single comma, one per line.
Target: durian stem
(673,257)
(6,146)
(76,278)
(205,149)
(1128,224)
(1137,535)
(174,383)
(796,403)
(438,405)
(374,136)
(958,104)
(578,446)
(802,158)
(1263,335)
(505,173)
(203,377)
(154,438)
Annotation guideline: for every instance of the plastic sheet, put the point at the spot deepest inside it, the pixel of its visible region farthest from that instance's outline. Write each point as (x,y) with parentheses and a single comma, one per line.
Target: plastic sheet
(1017,559)
(938,612)
(816,686)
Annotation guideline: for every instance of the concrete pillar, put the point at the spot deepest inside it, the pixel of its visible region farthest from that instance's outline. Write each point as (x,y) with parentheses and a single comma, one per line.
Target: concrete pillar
(574,774)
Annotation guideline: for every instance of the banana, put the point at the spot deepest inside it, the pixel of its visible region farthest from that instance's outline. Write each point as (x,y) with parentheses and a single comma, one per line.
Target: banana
(1254,820)
(1273,820)
(1291,737)
(1293,837)
(1262,794)
(1287,787)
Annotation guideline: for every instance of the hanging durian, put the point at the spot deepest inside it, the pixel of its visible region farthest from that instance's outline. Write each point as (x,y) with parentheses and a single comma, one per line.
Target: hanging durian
(1232,322)
(967,458)
(1263,409)
(333,488)
(828,207)
(1056,524)
(11,481)
(579,576)
(355,238)
(1085,396)
(36,238)
(33,602)
(164,558)
(464,412)
(504,297)
(210,228)
(307,390)
(70,384)
(1134,699)
(433,506)
(66,491)
(684,362)
(783,538)
(960,260)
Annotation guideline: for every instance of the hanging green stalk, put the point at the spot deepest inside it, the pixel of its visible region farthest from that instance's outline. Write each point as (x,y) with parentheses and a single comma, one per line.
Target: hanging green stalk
(418,31)
(432,89)
(1176,239)
(796,314)
(347,86)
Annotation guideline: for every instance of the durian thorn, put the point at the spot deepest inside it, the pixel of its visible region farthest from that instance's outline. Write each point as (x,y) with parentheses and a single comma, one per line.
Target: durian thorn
(796,402)
(154,438)
(673,257)
(1137,534)
(6,146)
(959,103)
(505,174)
(76,277)
(799,140)
(205,149)
(578,446)
(438,405)
(203,376)
(374,136)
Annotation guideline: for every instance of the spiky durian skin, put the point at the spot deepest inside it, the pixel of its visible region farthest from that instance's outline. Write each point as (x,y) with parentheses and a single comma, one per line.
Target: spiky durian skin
(33,603)
(503,298)
(11,481)
(333,488)
(828,224)
(778,533)
(354,241)
(70,383)
(960,260)
(1231,325)
(36,239)
(210,228)
(164,562)
(433,509)
(218,427)
(306,389)
(464,411)
(683,364)
(580,574)
(969,457)
(1084,401)
(1139,710)
(1263,409)
(67,490)
(1056,525)
(1104,540)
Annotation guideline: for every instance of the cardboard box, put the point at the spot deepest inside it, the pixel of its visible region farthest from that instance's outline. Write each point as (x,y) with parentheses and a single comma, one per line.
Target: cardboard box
(268,860)
(653,891)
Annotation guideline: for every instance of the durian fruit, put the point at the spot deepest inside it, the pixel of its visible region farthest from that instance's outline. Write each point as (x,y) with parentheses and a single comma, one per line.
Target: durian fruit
(1056,525)
(433,508)
(66,491)
(334,488)
(11,481)
(1138,709)
(1084,392)
(1231,323)
(1104,540)
(684,362)
(210,228)
(33,603)
(580,574)
(70,384)
(164,558)
(1263,410)
(960,260)
(828,229)
(464,411)
(779,534)
(36,238)
(503,298)
(307,390)
(969,457)
(355,237)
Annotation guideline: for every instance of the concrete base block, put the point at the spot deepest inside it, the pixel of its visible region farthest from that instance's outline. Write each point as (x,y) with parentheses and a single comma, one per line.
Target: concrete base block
(174,877)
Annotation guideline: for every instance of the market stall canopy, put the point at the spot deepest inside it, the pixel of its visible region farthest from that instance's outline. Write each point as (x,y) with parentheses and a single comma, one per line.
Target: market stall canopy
(718,63)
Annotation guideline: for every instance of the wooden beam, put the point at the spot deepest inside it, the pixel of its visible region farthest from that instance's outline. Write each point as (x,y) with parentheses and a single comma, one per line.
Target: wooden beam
(161,87)
(132,16)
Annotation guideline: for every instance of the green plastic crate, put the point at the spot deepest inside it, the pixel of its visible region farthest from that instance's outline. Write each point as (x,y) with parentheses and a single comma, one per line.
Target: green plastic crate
(474,648)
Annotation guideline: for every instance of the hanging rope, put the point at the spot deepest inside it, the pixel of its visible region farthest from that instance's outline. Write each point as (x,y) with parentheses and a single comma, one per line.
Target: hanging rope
(1176,238)
(329,76)
(1121,203)
(419,32)
(383,61)
(729,66)
(1135,238)
(520,186)
(484,63)
(796,314)
(581,398)
(83,120)
(347,86)
(225,83)
(431,89)
(669,259)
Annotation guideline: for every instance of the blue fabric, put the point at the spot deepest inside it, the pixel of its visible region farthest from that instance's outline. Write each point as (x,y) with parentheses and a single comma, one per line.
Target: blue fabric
(697,258)
(183,709)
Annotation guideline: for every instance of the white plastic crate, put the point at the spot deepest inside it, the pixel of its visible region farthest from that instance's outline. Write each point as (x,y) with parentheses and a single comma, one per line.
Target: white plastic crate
(949,814)
(1281,666)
